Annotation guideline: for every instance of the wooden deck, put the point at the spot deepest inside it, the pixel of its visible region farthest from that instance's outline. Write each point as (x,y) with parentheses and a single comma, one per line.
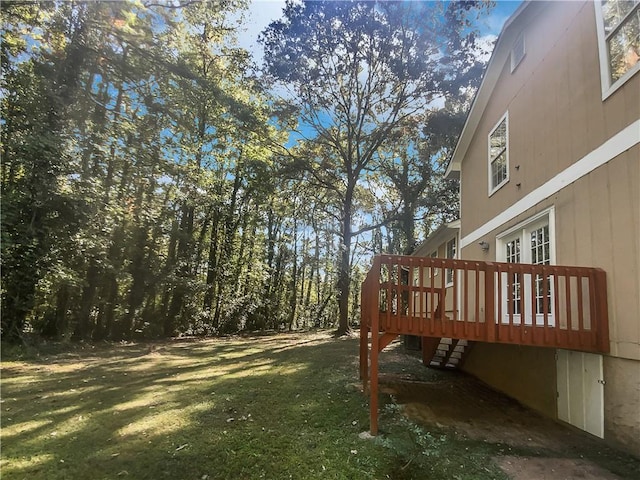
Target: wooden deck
(539,305)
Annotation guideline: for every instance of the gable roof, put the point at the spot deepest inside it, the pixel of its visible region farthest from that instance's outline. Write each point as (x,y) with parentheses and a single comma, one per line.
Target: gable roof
(437,238)
(510,31)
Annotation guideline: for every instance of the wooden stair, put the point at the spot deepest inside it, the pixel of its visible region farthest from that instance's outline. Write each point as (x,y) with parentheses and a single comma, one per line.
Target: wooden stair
(445,352)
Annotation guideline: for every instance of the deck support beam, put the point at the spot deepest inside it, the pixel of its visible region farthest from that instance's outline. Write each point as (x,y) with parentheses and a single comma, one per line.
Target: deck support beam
(429,349)
(378,343)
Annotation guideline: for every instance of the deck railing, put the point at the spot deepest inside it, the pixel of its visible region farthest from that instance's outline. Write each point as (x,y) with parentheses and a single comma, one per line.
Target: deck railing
(544,305)
(522,304)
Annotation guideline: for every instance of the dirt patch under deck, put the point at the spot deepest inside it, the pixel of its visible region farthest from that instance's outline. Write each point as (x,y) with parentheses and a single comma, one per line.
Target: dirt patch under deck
(530,446)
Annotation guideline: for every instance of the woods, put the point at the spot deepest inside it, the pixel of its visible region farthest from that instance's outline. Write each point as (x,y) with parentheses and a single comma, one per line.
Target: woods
(156,181)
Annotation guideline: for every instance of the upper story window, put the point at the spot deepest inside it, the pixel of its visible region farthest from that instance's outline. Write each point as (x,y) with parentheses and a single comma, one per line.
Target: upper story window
(499,155)
(618,26)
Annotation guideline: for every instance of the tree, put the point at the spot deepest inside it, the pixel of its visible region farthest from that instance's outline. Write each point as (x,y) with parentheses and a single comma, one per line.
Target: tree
(133,144)
(38,94)
(358,70)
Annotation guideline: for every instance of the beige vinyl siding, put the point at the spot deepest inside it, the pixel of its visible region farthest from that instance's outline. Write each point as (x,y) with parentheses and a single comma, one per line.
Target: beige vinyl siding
(597,224)
(524,373)
(556,115)
(556,118)
(440,275)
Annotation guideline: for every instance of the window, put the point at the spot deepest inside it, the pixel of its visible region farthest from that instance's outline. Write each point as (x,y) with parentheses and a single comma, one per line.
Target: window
(498,155)
(541,255)
(618,26)
(435,255)
(451,253)
(514,301)
(530,242)
(517,52)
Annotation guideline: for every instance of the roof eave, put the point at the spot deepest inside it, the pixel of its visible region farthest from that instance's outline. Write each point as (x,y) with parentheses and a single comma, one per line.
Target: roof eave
(442,233)
(492,73)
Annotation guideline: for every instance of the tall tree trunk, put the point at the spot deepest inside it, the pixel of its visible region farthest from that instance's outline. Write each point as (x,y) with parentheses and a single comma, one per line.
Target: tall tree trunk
(110,310)
(184,267)
(247,284)
(344,266)
(293,287)
(212,264)
(83,330)
(138,272)
(56,324)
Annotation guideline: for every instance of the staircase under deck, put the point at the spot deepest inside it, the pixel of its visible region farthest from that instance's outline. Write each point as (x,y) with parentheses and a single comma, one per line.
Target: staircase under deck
(448,353)
(472,301)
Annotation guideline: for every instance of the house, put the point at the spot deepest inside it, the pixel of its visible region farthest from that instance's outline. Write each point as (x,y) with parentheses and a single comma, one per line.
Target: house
(546,279)
(441,352)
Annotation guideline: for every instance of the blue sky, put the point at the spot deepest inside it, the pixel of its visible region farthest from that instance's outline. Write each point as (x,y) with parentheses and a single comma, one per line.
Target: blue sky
(262,12)
(501,12)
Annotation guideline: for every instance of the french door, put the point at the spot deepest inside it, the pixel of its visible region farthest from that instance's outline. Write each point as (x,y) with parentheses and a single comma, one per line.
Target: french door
(528,298)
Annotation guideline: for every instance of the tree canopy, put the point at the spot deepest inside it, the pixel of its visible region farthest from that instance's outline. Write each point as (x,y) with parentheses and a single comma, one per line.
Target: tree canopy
(360,73)
(150,182)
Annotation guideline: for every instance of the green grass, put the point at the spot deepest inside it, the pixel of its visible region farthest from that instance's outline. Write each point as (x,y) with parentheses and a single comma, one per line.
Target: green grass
(276,407)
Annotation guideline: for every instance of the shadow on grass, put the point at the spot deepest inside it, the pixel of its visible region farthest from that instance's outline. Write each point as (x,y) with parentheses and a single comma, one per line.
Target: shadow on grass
(281,406)
(263,407)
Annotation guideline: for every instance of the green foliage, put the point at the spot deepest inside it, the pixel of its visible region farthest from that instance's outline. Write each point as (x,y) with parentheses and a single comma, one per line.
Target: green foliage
(361,72)
(136,157)
(147,189)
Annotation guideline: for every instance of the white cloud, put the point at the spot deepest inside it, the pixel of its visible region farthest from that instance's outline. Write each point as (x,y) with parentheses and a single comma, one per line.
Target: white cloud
(259,15)
(484,47)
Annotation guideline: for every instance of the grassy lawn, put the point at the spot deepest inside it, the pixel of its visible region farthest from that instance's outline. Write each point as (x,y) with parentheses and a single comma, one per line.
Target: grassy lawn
(285,406)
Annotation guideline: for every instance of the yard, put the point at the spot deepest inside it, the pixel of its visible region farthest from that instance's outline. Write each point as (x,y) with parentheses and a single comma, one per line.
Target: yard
(277,406)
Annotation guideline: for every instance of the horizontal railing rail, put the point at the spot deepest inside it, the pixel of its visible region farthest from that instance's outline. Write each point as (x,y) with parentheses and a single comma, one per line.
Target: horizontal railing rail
(543,305)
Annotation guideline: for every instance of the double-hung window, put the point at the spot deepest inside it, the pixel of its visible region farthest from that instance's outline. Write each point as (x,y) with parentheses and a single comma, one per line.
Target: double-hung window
(499,155)
(618,27)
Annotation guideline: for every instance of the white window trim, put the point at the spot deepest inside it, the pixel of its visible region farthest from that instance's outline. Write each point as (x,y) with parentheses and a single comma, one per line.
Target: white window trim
(456,255)
(492,189)
(547,214)
(608,88)
(545,217)
(622,141)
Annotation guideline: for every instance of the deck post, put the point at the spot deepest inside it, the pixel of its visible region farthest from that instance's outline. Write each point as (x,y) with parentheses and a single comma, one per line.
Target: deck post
(602,311)
(364,334)
(429,348)
(373,403)
(364,355)
(490,324)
